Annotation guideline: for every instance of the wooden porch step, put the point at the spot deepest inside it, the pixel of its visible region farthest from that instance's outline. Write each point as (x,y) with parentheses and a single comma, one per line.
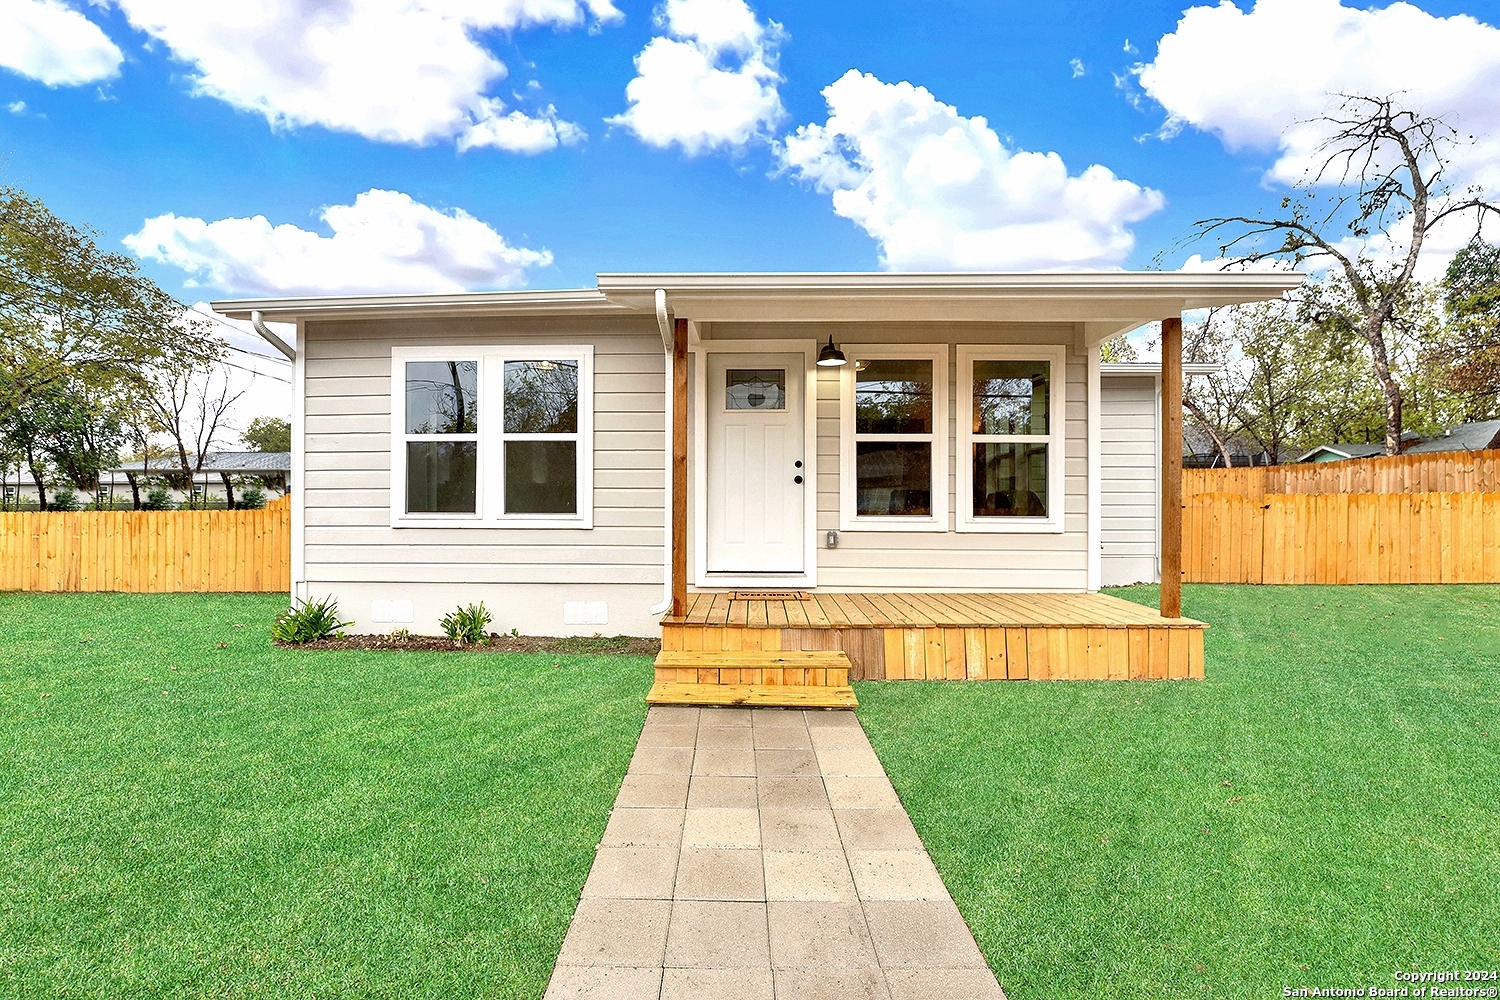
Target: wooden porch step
(752,695)
(790,668)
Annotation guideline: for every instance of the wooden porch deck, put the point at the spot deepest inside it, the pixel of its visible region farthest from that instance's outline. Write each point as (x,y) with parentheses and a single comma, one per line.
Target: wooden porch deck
(921,636)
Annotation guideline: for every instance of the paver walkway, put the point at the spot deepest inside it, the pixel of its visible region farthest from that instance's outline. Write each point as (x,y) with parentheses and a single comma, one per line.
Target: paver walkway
(759,854)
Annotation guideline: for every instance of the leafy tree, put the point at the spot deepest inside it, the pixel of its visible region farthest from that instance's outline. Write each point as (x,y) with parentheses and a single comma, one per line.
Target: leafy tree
(268,434)
(82,434)
(1387,168)
(84,339)
(68,310)
(1117,350)
(1291,379)
(1469,356)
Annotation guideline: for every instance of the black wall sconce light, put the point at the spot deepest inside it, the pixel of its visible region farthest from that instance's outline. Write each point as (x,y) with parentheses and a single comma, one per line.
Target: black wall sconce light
(830,356)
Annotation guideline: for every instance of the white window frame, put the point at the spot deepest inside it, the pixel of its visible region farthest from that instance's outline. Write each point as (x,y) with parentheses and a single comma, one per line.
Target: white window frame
(399,436)
(849,518)
(1056,356)
(489,497)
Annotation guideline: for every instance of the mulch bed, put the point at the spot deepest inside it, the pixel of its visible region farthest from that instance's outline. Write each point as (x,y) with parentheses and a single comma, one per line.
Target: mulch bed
(610,645)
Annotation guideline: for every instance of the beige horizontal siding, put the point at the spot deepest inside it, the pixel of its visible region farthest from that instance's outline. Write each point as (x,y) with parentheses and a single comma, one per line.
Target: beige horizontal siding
(347,481)
(346,495)
(1129,487)
(885,560)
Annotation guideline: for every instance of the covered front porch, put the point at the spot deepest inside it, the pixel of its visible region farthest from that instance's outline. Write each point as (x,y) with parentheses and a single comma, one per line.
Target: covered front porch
(733,638)
(901,457)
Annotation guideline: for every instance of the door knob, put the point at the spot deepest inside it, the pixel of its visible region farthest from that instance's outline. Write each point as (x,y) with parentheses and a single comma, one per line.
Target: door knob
(797,480)
(798,463)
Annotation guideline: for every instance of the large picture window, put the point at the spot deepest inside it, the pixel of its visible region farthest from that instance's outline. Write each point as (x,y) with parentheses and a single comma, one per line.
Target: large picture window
(894,437)
(1010,440)
(495,436)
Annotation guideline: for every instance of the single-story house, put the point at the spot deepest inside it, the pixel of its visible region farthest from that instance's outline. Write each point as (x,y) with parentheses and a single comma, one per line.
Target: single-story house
(272,466)
(665,447)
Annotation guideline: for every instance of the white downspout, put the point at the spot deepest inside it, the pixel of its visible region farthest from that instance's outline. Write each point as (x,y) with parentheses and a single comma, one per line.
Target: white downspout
(1095,474)
(269,337)
(667,340)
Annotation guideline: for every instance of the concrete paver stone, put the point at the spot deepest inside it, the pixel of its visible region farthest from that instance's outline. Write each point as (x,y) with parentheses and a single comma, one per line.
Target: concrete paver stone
(713,935)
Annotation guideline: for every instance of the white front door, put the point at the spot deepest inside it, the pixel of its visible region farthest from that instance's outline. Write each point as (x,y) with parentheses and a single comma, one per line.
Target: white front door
(757,473)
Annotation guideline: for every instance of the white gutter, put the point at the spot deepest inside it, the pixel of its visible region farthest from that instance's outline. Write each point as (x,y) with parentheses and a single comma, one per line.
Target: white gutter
(668,340)
(269,337)
(1095,562)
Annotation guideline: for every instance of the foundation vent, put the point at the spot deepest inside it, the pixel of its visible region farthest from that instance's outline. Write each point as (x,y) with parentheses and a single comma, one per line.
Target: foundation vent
(585,613)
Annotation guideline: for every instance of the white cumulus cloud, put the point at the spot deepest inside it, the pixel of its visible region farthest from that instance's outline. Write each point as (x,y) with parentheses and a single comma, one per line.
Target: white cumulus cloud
(49,41)
(710,82)
(385,242)
(942,191)
(407,71)
(1258,78)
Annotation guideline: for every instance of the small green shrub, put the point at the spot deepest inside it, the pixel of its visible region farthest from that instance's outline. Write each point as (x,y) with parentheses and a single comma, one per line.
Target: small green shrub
(254,498)
(65,499)
(312,621)
(157,499)
(466,625)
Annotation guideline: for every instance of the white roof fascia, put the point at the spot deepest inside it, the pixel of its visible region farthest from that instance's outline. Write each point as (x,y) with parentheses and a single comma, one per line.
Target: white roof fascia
(527,302)
(1107,303)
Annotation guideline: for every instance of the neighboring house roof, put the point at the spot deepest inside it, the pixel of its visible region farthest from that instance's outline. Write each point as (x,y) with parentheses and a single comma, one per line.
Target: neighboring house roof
(1339,452)
(1463,437)
(1105,303)
(243,463)
(1154,368)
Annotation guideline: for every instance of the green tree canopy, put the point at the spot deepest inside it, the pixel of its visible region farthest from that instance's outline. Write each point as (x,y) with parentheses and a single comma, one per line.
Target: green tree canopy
(69,310)
(1470,355)
(268,434)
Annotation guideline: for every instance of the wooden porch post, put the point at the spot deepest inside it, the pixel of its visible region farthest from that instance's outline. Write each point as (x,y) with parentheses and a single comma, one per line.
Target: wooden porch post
(679,467)
(1171,467)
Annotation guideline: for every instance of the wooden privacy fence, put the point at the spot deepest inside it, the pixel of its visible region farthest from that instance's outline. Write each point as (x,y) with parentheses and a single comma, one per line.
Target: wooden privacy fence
(1438,472)
(1341,538)
(148,551)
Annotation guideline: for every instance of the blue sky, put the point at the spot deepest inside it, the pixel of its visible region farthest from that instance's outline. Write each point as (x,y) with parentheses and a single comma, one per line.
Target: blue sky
(145,142)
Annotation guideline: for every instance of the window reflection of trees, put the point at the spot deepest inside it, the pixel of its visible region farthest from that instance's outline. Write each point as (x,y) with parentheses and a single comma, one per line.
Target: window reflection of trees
(442,397)
(893,397)
(1010,397)
(541,397)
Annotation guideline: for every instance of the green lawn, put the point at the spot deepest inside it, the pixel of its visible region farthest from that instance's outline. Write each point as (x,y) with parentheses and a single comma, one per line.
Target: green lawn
(1324,809)
(186,810)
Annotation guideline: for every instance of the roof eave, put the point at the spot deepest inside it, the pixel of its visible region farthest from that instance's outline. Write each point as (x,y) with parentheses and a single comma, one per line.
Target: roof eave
(531,303)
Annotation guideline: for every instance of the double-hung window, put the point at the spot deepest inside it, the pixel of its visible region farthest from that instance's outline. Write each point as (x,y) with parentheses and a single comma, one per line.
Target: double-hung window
(894,438)
(1010,438)
(493,436)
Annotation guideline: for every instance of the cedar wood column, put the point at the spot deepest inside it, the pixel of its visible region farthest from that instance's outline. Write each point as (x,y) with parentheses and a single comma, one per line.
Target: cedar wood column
(1171,467)
(679,467)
